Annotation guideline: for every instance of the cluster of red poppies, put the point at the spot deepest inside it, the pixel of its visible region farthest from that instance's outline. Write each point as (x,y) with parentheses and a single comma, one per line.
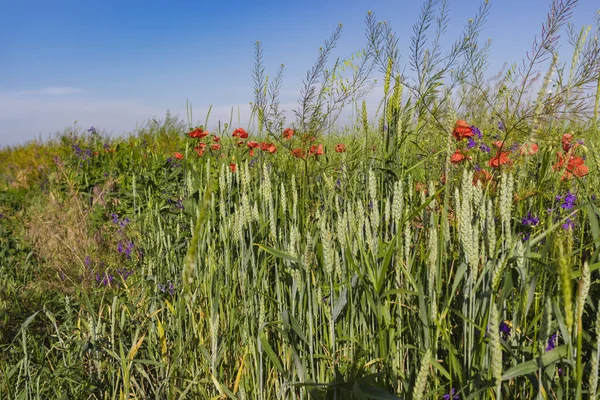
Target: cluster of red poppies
(567,161)
(463,131)
(575,166)
(267,147)
(201,146)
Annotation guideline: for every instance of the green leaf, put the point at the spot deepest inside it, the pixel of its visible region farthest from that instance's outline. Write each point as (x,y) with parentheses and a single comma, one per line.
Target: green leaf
(292,322)
(529,367)
(340,303)
(364,389)
(266,347)
(595,227)
(278,253)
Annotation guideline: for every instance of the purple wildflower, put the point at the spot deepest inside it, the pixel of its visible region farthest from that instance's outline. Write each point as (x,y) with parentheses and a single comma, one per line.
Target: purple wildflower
(176,203)
(477,132)
(115,218)
(500,125)
(168,287)
(477,167)
(451,395)
(92,130)
(173,162)
(504,329)
(568,201)
(526,236)
(551,342)
(568,225)
(129,249)
(124,273)
(484,147)
(530,220)
(104,279)
(514,147)
(120,248)
(471,143)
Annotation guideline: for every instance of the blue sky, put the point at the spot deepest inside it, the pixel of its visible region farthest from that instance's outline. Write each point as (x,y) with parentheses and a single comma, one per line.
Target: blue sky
(115,64)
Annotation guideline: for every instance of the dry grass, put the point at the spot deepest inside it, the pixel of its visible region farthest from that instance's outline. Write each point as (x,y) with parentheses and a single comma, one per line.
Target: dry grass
(61,238)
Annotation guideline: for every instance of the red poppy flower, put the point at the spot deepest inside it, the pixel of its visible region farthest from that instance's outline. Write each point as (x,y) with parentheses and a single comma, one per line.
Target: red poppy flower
(232,167)
(317,150)
(529,149)
(288,133)
(340,148)
(481,175)
(215,146)
(560,161)
(252,144)
(240,143)
(216,139)
(178,156)
(575,167)
(498,144)
(499,160)
(200,152)
(200,146)
(241,133)
(298,153)
(268,147)
(462,130)
(566,141)
(198,133)
(458,157)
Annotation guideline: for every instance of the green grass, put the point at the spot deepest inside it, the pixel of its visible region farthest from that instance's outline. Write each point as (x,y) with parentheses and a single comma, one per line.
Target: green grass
(376,273)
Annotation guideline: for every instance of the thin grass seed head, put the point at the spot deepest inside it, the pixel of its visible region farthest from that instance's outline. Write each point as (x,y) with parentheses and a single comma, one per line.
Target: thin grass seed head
(494,345)
(360,220)
(283,199)
(544,332)
(407,241)
(421,379)
(490,229)
(593,378)
(584,289)
(564,272)
(294,200)
(387,212)
(398,203)
(597,324)
(340,231)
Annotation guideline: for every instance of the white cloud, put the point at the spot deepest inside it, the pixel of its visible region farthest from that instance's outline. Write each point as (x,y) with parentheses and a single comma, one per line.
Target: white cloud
(27,117)
(48,91)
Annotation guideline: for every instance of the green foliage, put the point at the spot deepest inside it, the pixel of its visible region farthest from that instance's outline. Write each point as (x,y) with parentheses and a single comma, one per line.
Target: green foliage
(160,265)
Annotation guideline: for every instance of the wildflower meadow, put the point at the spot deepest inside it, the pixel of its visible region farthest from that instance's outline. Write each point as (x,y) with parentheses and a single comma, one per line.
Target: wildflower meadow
(447,248)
